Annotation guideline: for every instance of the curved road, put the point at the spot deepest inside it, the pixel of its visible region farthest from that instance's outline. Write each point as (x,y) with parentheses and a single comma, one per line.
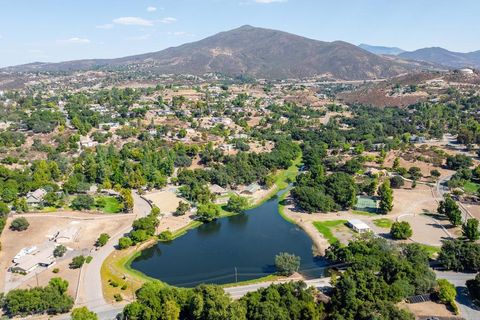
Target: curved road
(90,292)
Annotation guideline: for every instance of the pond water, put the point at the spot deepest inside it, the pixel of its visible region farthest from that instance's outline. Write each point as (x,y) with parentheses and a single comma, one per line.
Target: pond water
(236,248)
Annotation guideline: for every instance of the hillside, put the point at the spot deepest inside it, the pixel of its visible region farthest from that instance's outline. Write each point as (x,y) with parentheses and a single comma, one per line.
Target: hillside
(257,52)
(381,49)
(444,57)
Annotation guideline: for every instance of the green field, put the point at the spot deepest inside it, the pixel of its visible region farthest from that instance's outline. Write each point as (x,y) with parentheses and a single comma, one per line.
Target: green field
(111,204)
(471,187)
(325,228)
(383,223)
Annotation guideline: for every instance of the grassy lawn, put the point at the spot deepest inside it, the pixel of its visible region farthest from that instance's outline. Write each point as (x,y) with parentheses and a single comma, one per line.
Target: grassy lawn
(383,223)
(111,204)
(325,228)
(432,251)
(471,187)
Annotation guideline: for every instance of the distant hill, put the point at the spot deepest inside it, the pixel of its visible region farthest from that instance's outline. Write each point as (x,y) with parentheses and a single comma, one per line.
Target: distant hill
(444,57)
(381,50)
(257,52)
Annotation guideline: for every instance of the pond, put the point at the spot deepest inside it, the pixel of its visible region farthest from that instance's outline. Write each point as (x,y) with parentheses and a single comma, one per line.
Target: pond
(236,248)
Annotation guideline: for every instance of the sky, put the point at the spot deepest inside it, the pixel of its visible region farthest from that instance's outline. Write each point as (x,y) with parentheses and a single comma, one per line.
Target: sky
(60,30)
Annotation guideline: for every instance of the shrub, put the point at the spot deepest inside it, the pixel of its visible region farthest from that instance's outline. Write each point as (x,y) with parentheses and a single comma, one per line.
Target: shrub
(102,240)
(125,242)
(166,236)
(286,263)
(447,294)
(83,202)
(401,230)
(77,262)
(19,224)
(59,251)
(118,297)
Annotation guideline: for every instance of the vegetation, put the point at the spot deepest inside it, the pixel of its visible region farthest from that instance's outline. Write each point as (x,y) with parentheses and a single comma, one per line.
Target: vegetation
(237,204)
(51,299)
(461,256)
(401,230)
(102,240)
(208,212)
(385,193)
(19,224)
(449,208)
(447,294)
(324,228)
(77,262)
(474,288)
(470,230)
(83,314)
(383,223)
(286,263)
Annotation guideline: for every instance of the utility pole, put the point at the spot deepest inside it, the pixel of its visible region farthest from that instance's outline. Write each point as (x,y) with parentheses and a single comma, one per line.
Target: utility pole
(236,275)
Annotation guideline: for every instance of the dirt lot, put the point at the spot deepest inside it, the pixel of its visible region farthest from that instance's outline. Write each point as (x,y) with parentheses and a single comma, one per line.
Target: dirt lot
(166,200)
(87,229)
(427,309)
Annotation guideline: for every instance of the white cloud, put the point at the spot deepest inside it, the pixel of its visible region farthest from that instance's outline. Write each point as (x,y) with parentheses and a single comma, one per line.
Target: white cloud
(270,1)
(168,20)
(76,40)
(133,21)
(151,9)
(105,26)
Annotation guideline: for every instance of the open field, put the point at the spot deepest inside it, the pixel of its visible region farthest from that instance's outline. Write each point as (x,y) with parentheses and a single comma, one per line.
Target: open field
(85,229)
(325,228)
(166,200)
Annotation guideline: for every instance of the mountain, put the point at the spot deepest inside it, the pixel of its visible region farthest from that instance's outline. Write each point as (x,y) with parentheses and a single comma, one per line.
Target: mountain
(381,50)
(257,52)
(444,57)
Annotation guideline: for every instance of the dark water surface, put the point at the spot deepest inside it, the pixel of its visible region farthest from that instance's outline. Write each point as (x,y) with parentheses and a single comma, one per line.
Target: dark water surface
(211,252)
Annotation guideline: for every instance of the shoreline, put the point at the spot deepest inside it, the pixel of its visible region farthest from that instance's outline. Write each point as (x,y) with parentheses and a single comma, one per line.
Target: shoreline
(120,261)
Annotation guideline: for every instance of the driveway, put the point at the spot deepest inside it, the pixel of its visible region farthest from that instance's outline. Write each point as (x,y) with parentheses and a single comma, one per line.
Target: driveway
(467,309)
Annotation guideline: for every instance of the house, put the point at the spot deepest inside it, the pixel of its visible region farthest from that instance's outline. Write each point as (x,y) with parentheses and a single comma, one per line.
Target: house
(87,142)
(251,189)
(359,226)
(217,190)
(36,197)
(39,258)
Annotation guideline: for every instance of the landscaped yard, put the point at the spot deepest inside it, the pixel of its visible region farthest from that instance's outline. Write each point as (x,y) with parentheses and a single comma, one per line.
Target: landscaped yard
(325,228)
(383,223)
(471,187)
(109,204)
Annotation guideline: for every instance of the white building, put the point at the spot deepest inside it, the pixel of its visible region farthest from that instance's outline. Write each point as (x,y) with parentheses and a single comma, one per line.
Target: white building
(36,197)
(359,226)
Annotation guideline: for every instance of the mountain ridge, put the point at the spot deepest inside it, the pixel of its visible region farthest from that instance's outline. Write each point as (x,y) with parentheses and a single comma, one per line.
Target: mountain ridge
(248,50)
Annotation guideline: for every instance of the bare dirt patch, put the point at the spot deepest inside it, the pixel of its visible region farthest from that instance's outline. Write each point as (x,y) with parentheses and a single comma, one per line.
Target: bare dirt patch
(166,200)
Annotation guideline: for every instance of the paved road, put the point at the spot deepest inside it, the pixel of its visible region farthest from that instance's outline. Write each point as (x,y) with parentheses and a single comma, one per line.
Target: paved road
(467,309)
(240,291)
(90,292)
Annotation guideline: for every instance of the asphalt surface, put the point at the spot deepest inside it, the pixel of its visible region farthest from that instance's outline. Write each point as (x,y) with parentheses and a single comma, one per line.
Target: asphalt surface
(467,309)
(90,292)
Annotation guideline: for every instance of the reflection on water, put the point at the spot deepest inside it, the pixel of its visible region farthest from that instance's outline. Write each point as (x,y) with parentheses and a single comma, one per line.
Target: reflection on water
(246,243)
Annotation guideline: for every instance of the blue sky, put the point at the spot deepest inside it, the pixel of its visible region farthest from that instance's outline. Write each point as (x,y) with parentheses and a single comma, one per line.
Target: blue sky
(58,30)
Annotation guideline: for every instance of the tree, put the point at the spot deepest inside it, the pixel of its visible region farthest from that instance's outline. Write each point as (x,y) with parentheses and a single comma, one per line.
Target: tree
(341,187)
(83,202)
(208,212)
(4,209)
(449,208)
(386,197)
(401,230)
(59,251)
(470,230)
(447,293)
(458,161)
(460,256)
(415,173)
(126,195)
(396,182)
(19,224)
(473,286)
(182,208)
(102,240)
(237,204)
(125,242)
(77,262)
(286,263)
(435,173)
(83,314)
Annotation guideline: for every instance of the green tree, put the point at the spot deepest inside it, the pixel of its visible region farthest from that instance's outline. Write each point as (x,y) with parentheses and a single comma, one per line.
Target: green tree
(19,224)
(447,293)
(208,212)
(237,204)
(449,208)
(125,242)
(182,208)
(470,230)
(386,197)
(4,209)
(102,240)
(286,263)
(83,314)
(126,195)
(77,262)
(59,251)
(83,202)
(401,230)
